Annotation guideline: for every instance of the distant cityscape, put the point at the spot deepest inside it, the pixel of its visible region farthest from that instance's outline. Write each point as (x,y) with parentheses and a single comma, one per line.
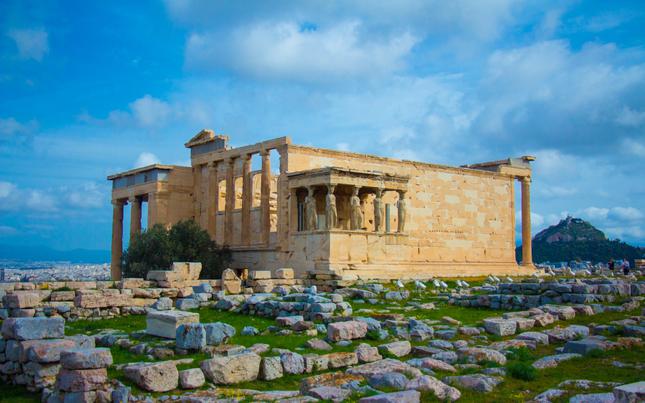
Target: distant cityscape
(20,270)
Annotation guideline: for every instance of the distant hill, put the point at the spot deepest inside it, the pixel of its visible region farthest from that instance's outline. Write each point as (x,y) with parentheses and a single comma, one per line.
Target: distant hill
(43,253)
(576,239)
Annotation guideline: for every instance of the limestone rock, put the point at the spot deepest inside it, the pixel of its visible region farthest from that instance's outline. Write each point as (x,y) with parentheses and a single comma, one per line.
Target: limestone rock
(328,379)
(330,393)
(33,328)
(366,353)
(218,333)
(428,383)
(191,378)
(86,358)
(346,330)
(476,382)
(388,380)
(475,355)
(500,326)
(165,323)
(317,344)
(292,363)
(271,368)
(408,396)
(230,370)
(341,360)
(44,351)
(630,393)
(81,380)
(191,336)
(396,348)
(431,363)
(154,377)
(385,365)
(552,361)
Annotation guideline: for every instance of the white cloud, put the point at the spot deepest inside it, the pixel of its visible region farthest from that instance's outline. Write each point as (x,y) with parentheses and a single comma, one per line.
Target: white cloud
(285,50)
(31,43)
(15,132)
(85,196)
(146,112)
(625,214)
(631,146)
(88,195)
(145,159)
(149,111)
(630,118)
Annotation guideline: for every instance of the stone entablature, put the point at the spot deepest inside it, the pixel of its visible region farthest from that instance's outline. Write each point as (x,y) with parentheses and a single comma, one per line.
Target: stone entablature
(401,218)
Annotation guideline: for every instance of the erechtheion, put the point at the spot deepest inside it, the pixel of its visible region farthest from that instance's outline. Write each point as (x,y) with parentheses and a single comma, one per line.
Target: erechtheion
(335,212)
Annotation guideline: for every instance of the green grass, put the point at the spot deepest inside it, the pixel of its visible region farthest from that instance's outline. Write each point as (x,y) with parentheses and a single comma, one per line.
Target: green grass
(17,394)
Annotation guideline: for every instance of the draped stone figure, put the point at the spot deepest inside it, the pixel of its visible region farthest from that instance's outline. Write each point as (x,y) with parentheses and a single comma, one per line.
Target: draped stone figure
(311,216)
(331,213)
(356,214)
(379,211)
(402,211)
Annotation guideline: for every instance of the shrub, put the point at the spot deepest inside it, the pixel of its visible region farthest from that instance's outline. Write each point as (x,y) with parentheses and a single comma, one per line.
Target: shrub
(522,370)
(157,247)
(520,354)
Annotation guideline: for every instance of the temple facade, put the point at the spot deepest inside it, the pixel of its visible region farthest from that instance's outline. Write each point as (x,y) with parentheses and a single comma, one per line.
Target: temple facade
(332,212)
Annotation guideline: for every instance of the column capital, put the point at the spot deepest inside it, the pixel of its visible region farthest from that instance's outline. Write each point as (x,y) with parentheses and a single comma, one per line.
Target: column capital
(213,164)
(246,157)
(118,203)
(265,153)
(132,199)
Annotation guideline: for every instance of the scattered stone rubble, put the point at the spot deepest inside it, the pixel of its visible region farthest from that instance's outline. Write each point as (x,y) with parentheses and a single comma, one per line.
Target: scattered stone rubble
(389,351)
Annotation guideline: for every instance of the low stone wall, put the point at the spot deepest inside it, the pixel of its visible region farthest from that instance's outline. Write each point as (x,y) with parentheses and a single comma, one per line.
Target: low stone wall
(74,300)
(512,296)
(30,350)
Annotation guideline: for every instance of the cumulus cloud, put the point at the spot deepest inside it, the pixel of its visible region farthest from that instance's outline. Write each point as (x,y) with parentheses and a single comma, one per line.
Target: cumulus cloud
(145,159)
(145,112)
(31,43)
(85,196)
(13,132)
(286,50)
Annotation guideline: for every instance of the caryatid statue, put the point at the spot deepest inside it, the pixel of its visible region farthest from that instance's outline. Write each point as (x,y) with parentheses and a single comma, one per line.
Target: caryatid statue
(379,211)
(356,214)
(310,211)
(330,209)
(402,211)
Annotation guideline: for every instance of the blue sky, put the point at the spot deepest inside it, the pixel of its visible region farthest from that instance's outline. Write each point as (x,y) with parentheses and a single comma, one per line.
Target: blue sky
(92,88)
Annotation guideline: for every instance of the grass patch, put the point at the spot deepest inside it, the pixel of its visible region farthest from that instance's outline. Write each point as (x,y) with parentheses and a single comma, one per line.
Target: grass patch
(18,394)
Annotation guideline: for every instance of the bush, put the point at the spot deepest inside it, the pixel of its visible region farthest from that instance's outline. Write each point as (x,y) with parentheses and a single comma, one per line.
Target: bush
(520,354)
(157,247)
(522,370)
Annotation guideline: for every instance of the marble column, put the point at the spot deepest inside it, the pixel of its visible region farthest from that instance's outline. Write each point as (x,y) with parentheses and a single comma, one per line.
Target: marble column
(135,216)
(230,201)
(197,193)
(117,239)
(527,252)
(265,197)
(331,212)
(283,201)
(213,198)
(247,199)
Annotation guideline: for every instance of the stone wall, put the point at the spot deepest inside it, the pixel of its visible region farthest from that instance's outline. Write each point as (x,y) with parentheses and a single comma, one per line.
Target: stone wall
(460,221)
(512,296)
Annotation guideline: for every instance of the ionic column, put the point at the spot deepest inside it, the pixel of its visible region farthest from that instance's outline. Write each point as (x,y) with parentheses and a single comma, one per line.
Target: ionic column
(135,216)
(230,201)
(283,200)
(247,199)
(527,253)
(213,198)
(117,239)
(265,198)
(197,193)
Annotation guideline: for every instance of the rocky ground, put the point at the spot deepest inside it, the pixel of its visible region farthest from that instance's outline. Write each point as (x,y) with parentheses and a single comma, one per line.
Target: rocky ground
(378,343)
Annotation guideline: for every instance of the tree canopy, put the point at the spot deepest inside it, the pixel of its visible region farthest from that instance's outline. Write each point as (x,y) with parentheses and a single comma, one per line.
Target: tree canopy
(157,247)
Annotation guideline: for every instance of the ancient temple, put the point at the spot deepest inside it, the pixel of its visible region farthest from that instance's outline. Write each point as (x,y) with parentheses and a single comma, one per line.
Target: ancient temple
(335,212)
